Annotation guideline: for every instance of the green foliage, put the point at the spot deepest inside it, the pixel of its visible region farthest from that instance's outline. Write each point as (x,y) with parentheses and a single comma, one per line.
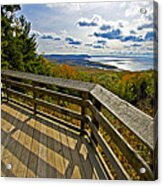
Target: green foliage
(18,47)
(138,88)
(18,52)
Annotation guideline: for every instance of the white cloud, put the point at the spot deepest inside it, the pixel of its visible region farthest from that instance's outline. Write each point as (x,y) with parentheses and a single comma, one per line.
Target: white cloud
(123,4)
(133,8)
(66,6)
(65,18)
(88,22)
(35,32)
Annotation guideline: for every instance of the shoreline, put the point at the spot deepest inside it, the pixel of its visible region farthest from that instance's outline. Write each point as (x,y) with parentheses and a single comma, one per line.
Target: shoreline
(83,61)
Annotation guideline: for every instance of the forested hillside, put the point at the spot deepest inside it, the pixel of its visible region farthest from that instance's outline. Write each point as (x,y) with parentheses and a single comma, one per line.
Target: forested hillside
(18,52)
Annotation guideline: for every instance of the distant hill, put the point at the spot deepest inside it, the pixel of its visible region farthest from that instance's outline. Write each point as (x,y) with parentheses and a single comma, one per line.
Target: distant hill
(67,56)
(77,60)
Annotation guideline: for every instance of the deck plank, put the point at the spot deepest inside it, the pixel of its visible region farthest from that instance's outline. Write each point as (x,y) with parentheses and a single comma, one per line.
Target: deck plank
(66,152)
(78,170)
(9,144)
(90,174)
(6,126)
(33,159)
(41,169)
(51,173)
(38,147)
(82,167)
(19,166)
(58,148)
(24,156)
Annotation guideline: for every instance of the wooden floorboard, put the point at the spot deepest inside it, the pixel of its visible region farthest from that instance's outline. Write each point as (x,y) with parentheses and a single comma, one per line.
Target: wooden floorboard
(84,151)
(9,144)
(6,126)
(33,159)
(59,159)
(38,147)
(51,173)
(41,168)
(27,141)
(73,170)
(21,128)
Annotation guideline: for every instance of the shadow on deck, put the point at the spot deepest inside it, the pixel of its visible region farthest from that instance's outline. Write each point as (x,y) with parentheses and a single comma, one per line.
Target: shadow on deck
(38,147)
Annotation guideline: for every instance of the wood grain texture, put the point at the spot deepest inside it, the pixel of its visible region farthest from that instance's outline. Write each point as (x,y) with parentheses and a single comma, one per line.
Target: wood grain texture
(138,122)
(38,147)
(59,82)
(43,145)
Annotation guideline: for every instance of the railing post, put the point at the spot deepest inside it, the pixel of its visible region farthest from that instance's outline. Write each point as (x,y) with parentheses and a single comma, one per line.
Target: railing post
(6,88)
(83,109)
(34,98)
(94,121)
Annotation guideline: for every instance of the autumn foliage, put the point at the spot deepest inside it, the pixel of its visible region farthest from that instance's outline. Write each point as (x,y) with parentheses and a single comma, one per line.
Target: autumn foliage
(64,71)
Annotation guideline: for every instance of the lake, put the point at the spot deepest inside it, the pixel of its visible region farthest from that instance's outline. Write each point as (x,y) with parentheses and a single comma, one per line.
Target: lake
(130,63)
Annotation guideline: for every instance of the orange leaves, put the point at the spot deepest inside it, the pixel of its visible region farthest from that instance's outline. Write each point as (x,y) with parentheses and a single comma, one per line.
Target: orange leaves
(64,71)
(128,76)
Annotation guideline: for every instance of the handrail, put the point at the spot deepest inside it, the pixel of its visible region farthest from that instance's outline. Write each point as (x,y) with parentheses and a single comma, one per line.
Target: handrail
(59,82)
(140,123)
(92,97)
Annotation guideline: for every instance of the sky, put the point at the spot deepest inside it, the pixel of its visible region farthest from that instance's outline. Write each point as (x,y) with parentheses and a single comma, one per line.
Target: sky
(109,28)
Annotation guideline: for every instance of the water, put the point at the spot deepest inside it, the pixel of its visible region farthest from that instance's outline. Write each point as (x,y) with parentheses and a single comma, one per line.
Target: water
(132,63)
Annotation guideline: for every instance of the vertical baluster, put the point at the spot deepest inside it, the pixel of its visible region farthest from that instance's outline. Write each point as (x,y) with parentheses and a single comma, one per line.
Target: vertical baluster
(94,121)
(6,86)
(34,98)
(83,109)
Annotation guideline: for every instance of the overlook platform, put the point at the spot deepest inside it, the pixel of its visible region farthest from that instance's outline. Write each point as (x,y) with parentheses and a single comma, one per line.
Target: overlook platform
(60,128)
(38,147)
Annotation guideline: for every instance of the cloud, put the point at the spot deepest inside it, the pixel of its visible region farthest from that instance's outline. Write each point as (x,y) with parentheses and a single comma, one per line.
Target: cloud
(123,5)
(150,36)
(65,6)
(103,42)
(85,22)
(133,8)
(90,35)
(126,46)
(132,11)
(87,31)
(47,37)
(132,32)
(114,34)
(105,27)
(72,41)
(121,25)
(88,45)
(136,45)
(98,46)
(35,33)
(144,26)
(57,39)
(150,48)
(132,38)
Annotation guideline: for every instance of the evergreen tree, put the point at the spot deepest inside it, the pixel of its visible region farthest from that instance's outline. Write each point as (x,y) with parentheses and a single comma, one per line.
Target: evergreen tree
(18,47)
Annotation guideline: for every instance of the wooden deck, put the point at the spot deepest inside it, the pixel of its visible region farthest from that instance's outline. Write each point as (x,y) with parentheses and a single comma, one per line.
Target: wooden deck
(38,147)
(37,144)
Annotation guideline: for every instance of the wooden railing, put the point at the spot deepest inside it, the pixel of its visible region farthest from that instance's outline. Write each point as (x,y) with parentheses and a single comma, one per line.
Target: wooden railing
(92,99)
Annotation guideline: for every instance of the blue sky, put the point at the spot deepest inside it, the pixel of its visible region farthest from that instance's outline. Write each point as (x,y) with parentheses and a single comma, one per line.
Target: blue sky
(92,28)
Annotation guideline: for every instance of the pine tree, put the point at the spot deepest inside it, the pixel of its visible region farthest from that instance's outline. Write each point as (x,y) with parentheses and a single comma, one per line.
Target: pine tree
(18,47)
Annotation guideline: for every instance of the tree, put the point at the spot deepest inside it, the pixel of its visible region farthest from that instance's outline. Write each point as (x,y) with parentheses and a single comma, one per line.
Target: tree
(18,47)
